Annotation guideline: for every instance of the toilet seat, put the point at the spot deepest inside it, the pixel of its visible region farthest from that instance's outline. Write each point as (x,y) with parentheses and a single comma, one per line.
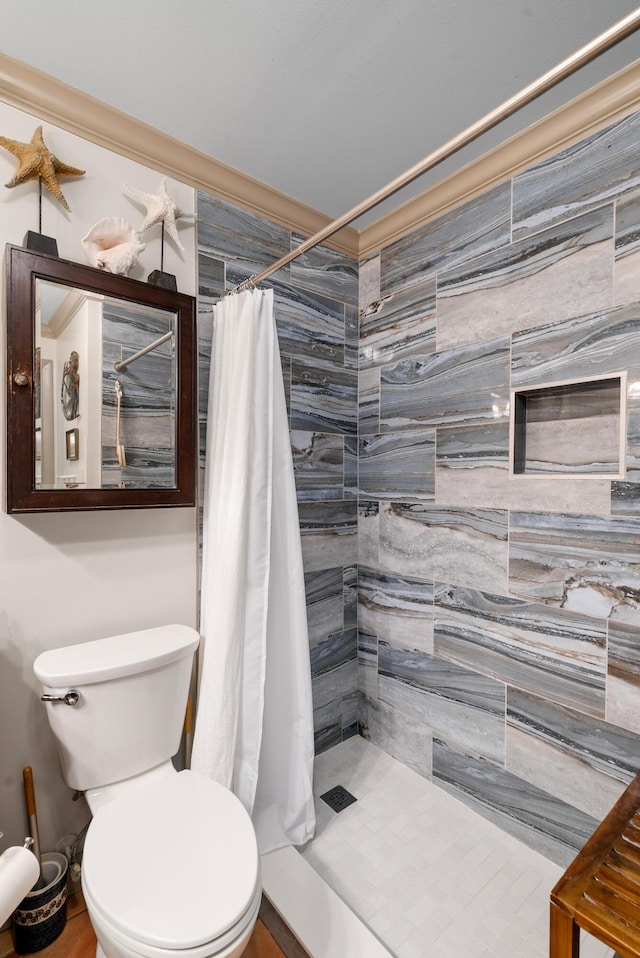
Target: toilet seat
(173,866)
(229,945)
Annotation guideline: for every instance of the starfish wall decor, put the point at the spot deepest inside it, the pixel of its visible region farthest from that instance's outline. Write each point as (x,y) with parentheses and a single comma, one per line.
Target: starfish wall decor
(35,162)
(160,209)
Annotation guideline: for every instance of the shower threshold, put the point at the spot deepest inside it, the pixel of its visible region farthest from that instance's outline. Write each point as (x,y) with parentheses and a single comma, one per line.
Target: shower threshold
(323,924)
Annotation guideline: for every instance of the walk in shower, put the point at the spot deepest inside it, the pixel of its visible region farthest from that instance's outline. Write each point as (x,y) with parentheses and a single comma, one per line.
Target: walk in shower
(473,630)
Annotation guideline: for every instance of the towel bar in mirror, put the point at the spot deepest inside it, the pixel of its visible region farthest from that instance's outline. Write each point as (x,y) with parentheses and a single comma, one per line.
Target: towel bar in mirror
(101,389)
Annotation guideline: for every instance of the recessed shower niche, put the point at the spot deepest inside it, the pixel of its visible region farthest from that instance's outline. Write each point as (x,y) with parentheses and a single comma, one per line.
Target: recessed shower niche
(570,429)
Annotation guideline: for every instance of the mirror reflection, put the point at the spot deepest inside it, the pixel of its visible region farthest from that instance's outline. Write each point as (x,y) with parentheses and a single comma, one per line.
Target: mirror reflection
(104,391)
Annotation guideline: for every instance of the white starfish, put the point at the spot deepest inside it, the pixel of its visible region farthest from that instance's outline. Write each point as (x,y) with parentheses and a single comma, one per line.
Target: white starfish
(160,209)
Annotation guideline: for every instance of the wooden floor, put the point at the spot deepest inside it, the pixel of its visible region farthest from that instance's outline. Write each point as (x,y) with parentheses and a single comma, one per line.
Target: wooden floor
(78,940)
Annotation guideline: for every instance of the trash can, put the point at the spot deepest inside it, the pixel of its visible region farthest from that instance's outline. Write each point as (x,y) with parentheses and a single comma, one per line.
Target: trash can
(42,914)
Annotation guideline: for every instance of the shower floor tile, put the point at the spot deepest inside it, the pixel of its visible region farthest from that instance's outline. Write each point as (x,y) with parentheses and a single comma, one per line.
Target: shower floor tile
(429,876)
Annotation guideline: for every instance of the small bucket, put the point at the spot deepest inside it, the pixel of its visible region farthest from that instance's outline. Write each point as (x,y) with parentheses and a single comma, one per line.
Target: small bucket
(42,913)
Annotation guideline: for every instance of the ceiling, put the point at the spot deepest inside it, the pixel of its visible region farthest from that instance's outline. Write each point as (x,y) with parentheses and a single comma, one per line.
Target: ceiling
(323,100)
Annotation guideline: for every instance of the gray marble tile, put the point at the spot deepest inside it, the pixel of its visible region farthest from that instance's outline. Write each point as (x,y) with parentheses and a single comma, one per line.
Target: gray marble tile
(350,715)
(329,691)
(350,467)
(369,280)
(594,345)
(472,471)
(351,337)
(147,394)
(455,387)
(329,534)
(325,603)
(368,649)
(205,337)
(323,398)
(468,231)
(550,652)
(586,564)
(310,326)
(327,725)
(368,664)
(397,734)
(626,271)
(623,679)
(552,827)
(146,468)
(466,448)
(335,651)
(455,703)
(579,759)
(398,466)
(368,532)
(463,547)
(326,271)
(557,274)
(244,240)
(211,280)
(633,427)
(369,401)
(350,595)
(202,425)
(318,465)
(399,326)
(286,382)
(625,499)
(235,275)
(398,609)
(152,435)
(589,173)
(131,328)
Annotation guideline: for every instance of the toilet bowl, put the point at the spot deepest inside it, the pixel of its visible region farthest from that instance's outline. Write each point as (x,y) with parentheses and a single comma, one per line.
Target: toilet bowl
(170,866)
(172,869)
(113,944)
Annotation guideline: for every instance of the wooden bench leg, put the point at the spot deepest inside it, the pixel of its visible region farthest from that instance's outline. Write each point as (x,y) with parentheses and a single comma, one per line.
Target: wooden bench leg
(564,935)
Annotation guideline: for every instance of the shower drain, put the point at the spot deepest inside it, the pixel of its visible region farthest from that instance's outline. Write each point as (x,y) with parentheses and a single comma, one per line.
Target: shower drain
(338,798)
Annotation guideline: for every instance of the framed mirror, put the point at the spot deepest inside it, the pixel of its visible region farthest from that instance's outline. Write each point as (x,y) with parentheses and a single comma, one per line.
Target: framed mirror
(101,389)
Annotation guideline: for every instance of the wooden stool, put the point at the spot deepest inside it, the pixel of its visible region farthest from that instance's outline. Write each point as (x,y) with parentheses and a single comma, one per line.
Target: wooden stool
(600,890)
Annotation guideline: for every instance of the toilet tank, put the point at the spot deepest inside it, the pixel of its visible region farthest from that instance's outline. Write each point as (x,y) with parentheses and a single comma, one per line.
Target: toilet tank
(133,692)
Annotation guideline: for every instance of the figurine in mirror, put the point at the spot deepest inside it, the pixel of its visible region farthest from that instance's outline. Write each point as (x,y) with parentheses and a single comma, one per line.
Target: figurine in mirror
(114,357)
(70,392)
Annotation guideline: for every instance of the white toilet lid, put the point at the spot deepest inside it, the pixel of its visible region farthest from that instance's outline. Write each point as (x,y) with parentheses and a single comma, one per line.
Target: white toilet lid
(174,865)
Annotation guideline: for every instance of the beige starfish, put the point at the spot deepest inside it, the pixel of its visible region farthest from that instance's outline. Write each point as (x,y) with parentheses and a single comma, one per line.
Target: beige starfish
(37,162)
(160,209)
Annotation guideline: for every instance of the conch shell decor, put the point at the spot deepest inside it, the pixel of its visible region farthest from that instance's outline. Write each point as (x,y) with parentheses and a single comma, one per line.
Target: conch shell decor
(113,245)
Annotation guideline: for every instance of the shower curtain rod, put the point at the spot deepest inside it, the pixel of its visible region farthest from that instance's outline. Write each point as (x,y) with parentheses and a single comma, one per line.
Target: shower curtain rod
(580,58)
(143,352)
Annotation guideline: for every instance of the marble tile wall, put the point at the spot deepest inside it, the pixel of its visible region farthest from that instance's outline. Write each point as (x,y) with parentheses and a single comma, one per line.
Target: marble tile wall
(495,642)
(147,411)
(498,647)
(316,311)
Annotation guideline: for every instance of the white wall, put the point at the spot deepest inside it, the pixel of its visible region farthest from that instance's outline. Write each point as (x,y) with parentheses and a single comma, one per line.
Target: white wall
(68,578)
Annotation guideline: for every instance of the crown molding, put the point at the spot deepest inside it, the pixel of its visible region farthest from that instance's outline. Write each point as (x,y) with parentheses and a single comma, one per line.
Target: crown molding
(605,103)
(28,89)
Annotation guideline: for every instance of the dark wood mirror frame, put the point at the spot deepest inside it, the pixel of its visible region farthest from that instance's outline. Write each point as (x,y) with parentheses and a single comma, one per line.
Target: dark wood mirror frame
(23,268)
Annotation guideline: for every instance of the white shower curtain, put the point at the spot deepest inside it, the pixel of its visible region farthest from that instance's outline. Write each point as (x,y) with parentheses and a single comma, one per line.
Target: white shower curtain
(254,723)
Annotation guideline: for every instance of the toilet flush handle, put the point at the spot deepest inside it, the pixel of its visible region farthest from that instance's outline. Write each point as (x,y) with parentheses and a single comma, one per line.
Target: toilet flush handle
(72,697)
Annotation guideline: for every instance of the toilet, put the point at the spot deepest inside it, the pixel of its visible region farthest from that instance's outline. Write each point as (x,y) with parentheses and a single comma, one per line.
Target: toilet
(170,866)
